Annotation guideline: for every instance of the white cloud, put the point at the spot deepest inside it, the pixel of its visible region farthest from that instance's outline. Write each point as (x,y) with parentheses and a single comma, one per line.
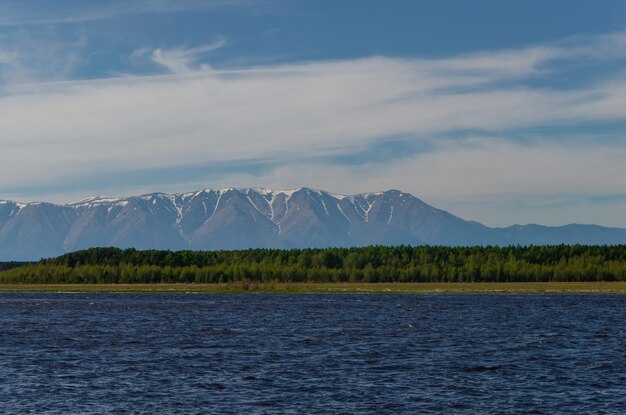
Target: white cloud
(195,114)
(27,60)
(43,12)
(181,60)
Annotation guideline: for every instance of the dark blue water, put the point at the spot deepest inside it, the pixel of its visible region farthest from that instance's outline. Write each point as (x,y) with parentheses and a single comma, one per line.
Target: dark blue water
(199,353)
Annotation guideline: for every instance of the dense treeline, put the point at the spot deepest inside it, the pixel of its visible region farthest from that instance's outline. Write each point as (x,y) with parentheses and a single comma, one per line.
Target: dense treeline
(370,264)
(10,265)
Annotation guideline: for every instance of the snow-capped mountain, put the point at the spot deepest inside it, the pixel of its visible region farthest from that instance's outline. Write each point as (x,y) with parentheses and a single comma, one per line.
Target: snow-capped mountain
(253,218)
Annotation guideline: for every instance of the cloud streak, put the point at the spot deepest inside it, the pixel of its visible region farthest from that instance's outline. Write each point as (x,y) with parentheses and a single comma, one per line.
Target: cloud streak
(41,12)
(27,60)
(181,60)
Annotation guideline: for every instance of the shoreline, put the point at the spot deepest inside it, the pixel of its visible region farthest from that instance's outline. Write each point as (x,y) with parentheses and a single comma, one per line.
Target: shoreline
(618,287)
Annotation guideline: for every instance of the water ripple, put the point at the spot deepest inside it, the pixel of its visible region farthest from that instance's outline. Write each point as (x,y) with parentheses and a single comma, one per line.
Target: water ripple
(316,354)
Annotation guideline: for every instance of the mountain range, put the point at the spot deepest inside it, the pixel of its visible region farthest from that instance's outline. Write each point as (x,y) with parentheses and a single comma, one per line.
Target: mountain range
(259,218)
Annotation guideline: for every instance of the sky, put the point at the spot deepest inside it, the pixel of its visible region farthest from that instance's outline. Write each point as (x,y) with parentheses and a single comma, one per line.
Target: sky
(500,111)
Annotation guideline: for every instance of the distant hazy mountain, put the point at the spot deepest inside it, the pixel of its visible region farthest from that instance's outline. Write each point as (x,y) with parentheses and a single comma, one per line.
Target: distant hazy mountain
(252,218)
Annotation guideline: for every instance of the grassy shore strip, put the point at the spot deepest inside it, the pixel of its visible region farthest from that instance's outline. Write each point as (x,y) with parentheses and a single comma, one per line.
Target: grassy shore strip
(390,288)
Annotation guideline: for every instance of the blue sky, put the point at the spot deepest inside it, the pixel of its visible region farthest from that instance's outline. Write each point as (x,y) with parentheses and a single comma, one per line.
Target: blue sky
(499,111)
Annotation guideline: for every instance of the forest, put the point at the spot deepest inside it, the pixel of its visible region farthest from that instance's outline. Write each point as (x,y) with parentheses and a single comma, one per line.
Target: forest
(369,264)
(10,265)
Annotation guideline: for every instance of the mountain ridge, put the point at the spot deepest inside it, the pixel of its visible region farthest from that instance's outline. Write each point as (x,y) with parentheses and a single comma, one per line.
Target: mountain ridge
(240,218)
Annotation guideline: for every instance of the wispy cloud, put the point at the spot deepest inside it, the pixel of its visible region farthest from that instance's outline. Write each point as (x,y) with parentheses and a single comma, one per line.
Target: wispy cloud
(314,112)
(181,60)
(43,12)
(27,60)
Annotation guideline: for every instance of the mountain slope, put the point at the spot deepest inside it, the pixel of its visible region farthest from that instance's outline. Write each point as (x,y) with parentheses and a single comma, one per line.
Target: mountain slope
(259,218)
(35,230)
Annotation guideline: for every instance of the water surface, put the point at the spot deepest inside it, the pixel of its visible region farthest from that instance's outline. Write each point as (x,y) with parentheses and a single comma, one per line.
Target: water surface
(258,353)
